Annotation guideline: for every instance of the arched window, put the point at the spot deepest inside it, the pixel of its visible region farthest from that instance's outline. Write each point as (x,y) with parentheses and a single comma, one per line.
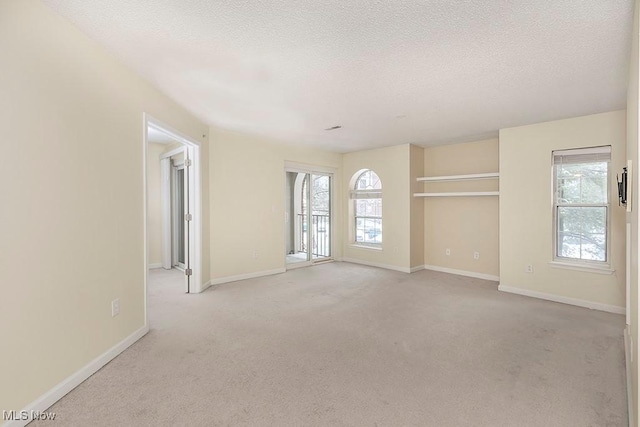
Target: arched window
(367,208)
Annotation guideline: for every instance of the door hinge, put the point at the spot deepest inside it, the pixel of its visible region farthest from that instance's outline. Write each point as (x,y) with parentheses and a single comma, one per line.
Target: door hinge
(188,272)
(188,217)
(187,162)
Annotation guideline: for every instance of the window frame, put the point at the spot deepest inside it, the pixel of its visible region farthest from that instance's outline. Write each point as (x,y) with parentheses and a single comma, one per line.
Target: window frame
(567,262)
(354,211)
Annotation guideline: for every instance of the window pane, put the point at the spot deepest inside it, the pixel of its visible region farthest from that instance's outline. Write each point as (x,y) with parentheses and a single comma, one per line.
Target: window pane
(368,207)
(568,189)
(582,233)
(368,180)
(373,231)
(582,220)
(594,247)
(369,230)
(569,245)
(320,194)
(582,183)
(359,230)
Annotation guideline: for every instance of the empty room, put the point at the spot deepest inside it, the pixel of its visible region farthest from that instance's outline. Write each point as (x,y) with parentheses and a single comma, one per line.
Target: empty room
(343,213)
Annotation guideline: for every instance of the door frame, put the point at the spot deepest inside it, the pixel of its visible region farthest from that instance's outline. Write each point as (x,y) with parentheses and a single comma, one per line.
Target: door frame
(192,150)
(319,170)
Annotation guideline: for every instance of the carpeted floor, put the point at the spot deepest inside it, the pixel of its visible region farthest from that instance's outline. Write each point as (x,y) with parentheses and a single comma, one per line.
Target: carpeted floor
(348,345)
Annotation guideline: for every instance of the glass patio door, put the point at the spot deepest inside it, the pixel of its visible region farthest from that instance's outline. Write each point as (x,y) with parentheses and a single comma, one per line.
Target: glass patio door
(307,218)
(320,237)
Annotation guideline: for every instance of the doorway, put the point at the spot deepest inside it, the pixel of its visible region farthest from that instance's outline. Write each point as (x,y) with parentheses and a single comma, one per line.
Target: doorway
(173,219)
(308,217)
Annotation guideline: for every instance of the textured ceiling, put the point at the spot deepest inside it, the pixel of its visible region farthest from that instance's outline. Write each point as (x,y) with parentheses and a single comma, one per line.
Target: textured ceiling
(388,71)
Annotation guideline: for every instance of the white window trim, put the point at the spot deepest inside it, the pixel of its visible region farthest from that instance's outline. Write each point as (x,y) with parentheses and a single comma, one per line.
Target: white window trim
(582,265)
(601,267)
(366,194)
(369,246)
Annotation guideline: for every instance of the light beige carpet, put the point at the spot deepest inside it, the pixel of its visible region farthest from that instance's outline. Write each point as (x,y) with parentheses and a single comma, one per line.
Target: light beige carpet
(347,345)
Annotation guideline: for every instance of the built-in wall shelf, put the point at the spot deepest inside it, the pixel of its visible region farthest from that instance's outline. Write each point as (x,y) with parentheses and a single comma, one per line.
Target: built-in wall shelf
(458,194)
(475,176)
(469,177)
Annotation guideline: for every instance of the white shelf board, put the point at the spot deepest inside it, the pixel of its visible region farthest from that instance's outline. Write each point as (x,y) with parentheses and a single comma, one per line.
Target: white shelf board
(491,175)
(459,194)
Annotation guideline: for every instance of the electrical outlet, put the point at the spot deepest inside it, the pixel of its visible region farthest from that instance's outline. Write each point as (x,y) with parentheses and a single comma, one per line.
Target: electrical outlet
(255,254)
(115,307)
(529,269)
(447,252)
(476,255)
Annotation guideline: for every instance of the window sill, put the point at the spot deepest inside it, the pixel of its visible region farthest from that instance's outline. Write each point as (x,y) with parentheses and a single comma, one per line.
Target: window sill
(582,267)
(371,247)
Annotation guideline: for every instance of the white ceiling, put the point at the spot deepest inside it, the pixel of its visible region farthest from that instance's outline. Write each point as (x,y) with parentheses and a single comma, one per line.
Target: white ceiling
(388,71)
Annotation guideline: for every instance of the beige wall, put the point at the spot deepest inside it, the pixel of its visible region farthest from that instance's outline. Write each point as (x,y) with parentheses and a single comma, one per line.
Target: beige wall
(526,226)
(248,201)
(392,166)
(72,118)
(154,207)
(417,206)
(632,217)
(463,225)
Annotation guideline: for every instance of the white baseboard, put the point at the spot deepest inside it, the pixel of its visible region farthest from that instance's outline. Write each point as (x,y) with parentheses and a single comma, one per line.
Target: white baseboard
(375,264)
(59,391)
(462,273)
(263,273)
(205,286)
(627,357)
(416,268)
(564,300)
(155,265)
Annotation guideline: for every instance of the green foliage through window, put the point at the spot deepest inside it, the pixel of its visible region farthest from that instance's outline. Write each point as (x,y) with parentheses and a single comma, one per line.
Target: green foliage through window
(581,205)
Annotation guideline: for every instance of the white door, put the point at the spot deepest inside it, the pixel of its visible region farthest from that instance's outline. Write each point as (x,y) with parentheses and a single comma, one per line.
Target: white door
(181,219)
(178,214)
(320,236)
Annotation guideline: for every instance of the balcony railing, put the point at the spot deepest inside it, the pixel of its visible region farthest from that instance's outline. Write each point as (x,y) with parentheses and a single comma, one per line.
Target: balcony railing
(320,235)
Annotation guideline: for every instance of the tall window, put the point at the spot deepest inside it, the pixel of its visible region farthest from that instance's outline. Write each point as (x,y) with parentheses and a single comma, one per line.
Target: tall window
(581,204)
(367,199)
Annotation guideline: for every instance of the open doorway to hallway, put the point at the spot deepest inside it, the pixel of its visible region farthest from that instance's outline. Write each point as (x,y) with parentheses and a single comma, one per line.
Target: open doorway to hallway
(167,210)
(173,220)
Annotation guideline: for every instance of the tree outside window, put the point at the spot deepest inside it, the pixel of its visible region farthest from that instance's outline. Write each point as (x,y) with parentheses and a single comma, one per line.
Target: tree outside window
(581,204)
